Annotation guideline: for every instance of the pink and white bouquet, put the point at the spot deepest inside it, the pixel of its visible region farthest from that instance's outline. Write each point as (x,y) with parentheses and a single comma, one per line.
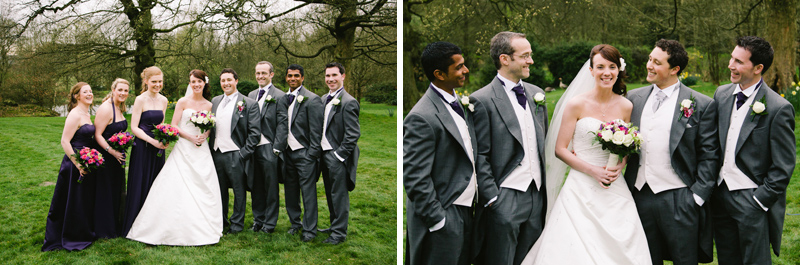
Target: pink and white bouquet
(165,134)
(205,120)
(90,159)
(121,141)
(619,138)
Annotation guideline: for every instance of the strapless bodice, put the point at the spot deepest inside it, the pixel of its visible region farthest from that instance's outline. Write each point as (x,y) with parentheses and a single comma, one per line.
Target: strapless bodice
(584,143)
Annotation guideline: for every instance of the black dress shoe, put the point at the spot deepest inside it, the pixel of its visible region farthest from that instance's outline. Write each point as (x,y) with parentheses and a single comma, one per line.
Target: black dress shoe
(334,240)
(264,229)
(256,227)
(308,237)
(293,230)
(326,230)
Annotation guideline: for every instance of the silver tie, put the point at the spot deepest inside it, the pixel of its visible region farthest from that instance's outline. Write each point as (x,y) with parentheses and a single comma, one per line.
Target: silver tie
(660,97)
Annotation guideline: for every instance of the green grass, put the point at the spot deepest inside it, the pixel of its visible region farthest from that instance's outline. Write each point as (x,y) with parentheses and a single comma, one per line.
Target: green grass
(30,155)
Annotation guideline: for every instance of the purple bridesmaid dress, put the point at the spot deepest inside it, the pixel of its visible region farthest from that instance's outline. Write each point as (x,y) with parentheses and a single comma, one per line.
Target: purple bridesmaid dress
(143,169)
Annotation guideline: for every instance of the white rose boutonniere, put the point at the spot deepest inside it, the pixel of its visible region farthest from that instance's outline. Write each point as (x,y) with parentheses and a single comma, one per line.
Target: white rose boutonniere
(269,99)
(759,108)
(539,98)
(622,65)
(465,103)
(336,102)
(687,108)
(301,98)
(240,105)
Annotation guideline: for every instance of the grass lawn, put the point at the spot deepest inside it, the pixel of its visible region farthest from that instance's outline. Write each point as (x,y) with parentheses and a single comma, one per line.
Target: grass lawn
(790,242)
(30,155)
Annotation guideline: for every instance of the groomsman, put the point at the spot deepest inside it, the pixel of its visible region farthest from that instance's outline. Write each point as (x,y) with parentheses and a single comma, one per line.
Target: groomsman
(438,163)
(673,176)
(756,134)
(510,127)
(232,142)
(300,115)
(262,174)
(340,133)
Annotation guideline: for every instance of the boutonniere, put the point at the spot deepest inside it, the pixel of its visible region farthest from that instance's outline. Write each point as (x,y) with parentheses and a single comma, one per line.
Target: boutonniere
(466,104)
(336,101)
(269,99)
(539,99)
(240,105)
(759,108)
(300,98)
(687,107)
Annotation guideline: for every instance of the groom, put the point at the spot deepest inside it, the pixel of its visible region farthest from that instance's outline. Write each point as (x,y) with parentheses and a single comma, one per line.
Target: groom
(510,128)
(673,176)
(232,142)
(756,134)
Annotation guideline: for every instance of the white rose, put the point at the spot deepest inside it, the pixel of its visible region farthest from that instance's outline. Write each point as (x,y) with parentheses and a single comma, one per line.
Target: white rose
(464,100)
(606,135)
(539,97)
(622,66)
(204,120)
(471,107)
(686,103)
(335,101)
(618,137)
(269,97)
(759,107)
(300,98)
(627,140)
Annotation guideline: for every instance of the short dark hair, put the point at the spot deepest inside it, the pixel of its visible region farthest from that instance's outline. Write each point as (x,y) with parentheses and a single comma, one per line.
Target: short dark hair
(611,53)
(501,44)
(337,65)
(229,71)
(438,56)
(295,67)
(761,51)
(677,54)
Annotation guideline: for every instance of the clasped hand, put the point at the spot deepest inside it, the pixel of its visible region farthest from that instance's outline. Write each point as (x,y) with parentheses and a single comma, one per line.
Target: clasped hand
(606,175)
(199,139)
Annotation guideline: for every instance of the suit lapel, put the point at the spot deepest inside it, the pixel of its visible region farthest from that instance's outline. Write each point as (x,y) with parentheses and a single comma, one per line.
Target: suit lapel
(538,123)
(333,109)
(638,101)
(678,123)
(297,103)
(215,104)
(235,117)
(506,110)
(725,104)
(444,116)
(750,120)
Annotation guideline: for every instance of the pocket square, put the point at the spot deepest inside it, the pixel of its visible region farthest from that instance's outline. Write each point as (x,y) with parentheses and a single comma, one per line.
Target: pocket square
(688,126)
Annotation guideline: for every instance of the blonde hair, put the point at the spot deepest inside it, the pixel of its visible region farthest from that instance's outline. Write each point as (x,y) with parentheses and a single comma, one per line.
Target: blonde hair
(76,89)
(114,84)
(147,73)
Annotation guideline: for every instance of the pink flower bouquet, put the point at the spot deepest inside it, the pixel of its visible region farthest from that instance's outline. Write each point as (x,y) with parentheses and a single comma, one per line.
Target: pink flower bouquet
(165,134)
(205,120)
(89,159)
(121,141)
(619,138)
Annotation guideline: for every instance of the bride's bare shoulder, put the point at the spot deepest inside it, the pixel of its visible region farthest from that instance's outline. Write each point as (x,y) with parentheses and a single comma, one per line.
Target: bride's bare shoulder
(625,104)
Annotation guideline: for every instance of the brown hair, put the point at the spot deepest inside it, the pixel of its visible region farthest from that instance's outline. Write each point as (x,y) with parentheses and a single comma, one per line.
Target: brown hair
(76,89)
(610,53)
(123,108)
(200,74)
(147,73)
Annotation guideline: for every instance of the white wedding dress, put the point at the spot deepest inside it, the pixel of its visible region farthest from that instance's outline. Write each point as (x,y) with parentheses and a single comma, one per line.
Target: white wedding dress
(589,224)
(184,207)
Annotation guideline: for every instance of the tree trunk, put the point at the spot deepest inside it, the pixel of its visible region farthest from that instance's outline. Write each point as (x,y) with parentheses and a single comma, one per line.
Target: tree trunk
(141,21)
(410,92)
(345,41)
(781,32)
(713,68)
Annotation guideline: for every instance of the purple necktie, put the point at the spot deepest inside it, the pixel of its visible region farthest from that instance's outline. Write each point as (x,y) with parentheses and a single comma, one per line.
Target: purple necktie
(261,93)
(520,96)
(291,98)
(454,105)
(330,97)
(740,99)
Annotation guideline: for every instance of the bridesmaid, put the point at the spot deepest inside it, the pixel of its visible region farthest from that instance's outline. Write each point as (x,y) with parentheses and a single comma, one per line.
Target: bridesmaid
(69,221)
(109,120)
(148,111)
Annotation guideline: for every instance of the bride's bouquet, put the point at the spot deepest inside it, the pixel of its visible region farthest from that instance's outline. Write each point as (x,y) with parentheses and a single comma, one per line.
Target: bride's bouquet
(121,141)
(619,138)
(205,120)
(89,159)
(165,134)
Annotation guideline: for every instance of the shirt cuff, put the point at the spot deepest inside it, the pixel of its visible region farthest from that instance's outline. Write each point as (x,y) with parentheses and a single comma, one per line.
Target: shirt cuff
(338,157)
(438,225)
(698,200)
(760,204)
(490,201)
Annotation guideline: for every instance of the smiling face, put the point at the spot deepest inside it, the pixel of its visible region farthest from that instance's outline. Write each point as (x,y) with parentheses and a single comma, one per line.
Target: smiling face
(121,92)
(155,83)
(228,83)
(743,72)
(456,73)
(604,72)
(85,95)
(263,75)
(197,84)
(520,61)
(659,72)
(294,79)
(333,78)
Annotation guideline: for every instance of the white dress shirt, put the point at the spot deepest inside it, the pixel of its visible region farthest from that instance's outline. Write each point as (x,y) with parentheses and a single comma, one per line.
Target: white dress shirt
(325,144)
(225,111)
(529,168)
(293,143)
(261,107)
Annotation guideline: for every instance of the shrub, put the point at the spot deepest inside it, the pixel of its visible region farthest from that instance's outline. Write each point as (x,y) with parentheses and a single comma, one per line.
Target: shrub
(382,93)
(690,80)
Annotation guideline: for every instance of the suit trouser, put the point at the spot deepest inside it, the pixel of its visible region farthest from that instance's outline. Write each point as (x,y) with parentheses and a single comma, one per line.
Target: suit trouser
(299,179)
(449,245)
(513,224)
(741,231)
(230,172)
(671,223)
(265,188)
(334,175)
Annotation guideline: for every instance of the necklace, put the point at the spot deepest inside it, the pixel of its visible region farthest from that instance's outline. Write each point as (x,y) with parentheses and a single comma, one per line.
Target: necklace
(606,108)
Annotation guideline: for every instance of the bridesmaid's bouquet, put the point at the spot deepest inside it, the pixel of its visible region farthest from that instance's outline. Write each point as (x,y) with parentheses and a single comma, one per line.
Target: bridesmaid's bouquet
(205,120)
(165,134)
(619,138)
(90,159)
(121,141)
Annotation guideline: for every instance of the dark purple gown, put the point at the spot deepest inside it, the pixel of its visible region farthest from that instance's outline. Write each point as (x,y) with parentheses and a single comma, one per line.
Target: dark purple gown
(71,216)
(143,169)
(110,184)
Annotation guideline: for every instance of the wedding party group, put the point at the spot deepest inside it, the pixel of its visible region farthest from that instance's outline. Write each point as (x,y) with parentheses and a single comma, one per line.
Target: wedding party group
(660,172)
(232,141)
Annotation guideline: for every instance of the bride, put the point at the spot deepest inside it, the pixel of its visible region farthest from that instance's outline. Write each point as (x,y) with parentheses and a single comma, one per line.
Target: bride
(184,207)
(588,222)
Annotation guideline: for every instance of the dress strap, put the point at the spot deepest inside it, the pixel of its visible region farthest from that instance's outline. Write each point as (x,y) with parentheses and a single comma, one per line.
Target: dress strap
(113,112)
